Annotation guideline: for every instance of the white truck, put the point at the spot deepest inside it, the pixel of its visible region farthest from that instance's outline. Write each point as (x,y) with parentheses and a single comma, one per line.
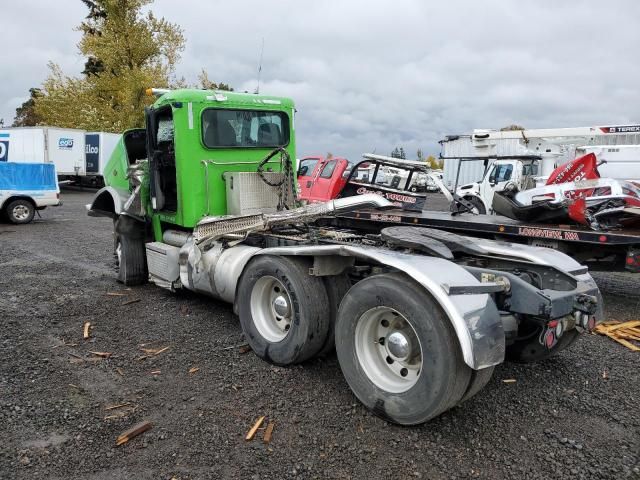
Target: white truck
(554,146)
(98,149)
(24,186)
(79,156)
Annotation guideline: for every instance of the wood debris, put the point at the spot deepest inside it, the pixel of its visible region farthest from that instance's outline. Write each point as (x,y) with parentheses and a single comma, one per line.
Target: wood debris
(244,349)
(129,302)
(155,372)
(252,432)
(193,369)
(268,432)
(120,371)
(85,331)
(116,294)
(509,380)
(134,431)
(120,405)
(152,352)
(625,333)
(101,354)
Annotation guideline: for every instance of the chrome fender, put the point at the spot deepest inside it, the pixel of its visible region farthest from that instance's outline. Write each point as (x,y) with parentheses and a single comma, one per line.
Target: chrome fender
(474,317)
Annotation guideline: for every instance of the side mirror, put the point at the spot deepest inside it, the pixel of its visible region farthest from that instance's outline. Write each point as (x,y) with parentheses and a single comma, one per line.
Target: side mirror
(303,171)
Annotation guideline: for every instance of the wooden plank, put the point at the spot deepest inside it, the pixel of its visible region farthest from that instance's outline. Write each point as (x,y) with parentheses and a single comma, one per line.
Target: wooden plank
(268,432)
(134,431)
(252,432)
(85,331)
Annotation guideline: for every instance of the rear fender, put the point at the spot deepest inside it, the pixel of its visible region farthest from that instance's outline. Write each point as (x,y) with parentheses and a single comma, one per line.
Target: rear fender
(474,317)
(108,202)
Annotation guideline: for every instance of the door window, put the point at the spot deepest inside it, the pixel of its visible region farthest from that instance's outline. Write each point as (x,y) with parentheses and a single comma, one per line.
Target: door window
(500,173)
(328,169)
(307,167)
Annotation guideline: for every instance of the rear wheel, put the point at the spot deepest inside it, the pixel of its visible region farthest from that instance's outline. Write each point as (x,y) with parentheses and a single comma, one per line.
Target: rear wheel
(337,287)
(282,309)
(398,351)
(20,211)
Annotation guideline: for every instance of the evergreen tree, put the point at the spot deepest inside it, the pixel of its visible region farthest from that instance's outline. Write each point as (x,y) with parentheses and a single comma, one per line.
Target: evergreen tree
(25,113)
(402,154)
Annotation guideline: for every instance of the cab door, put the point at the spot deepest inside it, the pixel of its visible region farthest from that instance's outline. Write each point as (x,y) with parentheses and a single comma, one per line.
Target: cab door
(495,181)
(321,186)
(307,170)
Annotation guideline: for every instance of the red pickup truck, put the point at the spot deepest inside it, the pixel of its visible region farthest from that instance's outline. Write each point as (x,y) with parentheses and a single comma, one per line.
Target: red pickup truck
(321,179)
(399,181)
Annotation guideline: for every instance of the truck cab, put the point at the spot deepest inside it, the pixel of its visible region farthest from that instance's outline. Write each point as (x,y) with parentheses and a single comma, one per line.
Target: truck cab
(522,174)
(321,179)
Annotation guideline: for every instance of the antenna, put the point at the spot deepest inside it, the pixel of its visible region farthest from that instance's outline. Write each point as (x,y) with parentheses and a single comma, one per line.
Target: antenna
(260,67)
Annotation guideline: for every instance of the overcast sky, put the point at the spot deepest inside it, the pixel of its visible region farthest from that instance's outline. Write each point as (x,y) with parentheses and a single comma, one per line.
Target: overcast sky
(371,75)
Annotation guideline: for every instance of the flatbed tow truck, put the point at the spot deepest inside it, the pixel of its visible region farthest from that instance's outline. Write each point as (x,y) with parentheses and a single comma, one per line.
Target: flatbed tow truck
(202,199)
(616,250)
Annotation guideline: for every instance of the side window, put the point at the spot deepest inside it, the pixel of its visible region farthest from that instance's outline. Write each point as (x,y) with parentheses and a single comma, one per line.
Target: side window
(500,173)
(328,169)
(306,167)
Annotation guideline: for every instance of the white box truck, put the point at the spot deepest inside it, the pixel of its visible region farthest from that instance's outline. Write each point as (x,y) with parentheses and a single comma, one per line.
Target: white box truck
(64,147)
(98,149)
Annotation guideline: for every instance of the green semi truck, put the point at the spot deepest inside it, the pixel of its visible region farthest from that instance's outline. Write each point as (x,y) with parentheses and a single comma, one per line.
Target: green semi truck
(203,198)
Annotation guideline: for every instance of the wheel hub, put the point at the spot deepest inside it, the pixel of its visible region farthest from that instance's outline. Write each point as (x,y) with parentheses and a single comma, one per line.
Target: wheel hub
(20,212)
(398,345)
(271,308)
(281,306)
(388,349)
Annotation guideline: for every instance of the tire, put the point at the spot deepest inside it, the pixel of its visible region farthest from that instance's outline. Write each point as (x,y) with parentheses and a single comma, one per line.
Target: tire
(477,203)
(20,211)
(131,260)
(530,350)
(430,379)
(479,379)
(282,309)
(337,287)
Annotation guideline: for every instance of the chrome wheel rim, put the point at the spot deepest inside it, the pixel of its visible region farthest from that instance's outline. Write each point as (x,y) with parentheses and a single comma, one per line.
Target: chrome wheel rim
(20,212)
(119,254)
(271,309)
(388,349)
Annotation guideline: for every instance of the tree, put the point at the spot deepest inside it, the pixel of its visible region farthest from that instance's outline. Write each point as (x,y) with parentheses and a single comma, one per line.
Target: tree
(402,154)
(127,51)
(25,113)
(207,84)
(329,156)
(511,128)
(433,163)
(420,155)
(395,153)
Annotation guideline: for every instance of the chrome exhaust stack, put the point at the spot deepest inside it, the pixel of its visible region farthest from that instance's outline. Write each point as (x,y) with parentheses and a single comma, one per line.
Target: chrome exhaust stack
(210,228)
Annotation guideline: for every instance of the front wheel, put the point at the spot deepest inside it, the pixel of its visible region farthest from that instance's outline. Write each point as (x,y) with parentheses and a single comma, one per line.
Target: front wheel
(398,351)
(131,262)
(20,211)
(478,206)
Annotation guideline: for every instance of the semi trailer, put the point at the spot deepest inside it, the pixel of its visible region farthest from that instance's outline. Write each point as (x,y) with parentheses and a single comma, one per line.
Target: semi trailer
(203,199)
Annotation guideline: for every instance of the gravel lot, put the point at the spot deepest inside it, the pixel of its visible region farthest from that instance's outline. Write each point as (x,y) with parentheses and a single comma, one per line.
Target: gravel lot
(574,416)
